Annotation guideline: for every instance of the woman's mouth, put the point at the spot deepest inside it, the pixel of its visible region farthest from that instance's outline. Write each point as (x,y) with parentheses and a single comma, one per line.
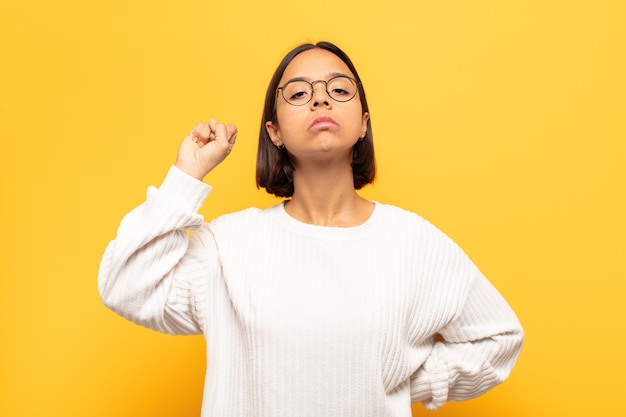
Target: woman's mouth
(322,123)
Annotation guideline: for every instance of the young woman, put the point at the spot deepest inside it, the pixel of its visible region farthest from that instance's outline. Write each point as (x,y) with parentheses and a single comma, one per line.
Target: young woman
(326,304)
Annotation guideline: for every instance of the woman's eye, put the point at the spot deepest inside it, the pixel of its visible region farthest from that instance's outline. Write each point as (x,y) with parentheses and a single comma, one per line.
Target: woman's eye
(298,94)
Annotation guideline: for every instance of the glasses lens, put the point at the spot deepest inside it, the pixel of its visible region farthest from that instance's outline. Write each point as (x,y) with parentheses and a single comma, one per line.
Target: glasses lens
(297,93)
(341,88)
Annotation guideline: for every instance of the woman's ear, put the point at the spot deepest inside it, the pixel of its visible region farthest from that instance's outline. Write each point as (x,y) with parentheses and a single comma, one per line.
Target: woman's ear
(364,119)
(274,131)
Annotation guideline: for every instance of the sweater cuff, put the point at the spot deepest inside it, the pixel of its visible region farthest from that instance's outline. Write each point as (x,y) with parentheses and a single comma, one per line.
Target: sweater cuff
(437,372)
(187,192)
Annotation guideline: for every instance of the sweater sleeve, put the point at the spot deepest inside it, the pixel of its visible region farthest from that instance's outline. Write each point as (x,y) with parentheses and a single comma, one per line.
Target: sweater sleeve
(153,273)
(477,352)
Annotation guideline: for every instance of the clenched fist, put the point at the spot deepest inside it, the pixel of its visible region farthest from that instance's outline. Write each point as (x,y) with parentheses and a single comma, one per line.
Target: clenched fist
(205,147)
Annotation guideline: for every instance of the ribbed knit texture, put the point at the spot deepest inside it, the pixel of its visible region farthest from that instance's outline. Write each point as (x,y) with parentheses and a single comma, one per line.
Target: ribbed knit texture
(303,320)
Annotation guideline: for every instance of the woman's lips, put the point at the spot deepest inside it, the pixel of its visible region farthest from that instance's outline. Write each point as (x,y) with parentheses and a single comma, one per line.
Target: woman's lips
(323,123)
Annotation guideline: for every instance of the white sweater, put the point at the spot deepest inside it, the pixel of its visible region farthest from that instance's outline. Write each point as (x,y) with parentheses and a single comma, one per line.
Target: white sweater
(303,320)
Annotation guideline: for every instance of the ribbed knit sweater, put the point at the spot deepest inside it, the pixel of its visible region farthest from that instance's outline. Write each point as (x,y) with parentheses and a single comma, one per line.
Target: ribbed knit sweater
(304,320)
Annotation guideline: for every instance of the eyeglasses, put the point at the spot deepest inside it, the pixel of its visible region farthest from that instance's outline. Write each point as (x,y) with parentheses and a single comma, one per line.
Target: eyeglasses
(299,92)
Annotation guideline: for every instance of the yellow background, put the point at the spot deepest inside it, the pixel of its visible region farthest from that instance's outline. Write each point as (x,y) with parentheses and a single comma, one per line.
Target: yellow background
(501,122)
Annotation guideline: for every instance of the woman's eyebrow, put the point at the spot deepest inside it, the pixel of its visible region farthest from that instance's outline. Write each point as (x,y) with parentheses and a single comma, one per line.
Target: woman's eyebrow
(339,74)
(296,79)
(330,75)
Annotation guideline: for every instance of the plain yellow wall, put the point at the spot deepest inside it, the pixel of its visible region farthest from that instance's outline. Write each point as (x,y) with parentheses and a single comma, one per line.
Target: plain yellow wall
(501,122)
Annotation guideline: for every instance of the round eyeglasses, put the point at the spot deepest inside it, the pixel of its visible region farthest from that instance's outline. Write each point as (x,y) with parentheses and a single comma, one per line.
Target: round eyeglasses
(299,92)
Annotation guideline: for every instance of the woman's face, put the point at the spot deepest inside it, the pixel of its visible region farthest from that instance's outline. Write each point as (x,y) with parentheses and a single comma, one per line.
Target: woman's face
(322,127)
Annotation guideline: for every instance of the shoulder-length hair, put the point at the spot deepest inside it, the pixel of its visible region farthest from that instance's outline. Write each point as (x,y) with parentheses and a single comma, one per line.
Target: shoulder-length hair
(274,169)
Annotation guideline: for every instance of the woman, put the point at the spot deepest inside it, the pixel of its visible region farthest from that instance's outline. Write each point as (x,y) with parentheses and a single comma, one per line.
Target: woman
(326,304)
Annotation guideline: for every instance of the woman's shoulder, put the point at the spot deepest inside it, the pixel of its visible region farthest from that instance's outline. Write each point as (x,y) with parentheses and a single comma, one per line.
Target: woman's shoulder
(246,218)
(400,216)
(404,221)
(409,226)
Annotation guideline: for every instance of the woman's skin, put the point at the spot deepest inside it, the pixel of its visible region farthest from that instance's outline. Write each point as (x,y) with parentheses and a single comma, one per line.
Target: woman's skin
(318,136)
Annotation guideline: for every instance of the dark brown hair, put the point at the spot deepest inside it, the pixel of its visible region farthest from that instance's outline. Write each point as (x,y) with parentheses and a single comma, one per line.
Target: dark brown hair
(274,169)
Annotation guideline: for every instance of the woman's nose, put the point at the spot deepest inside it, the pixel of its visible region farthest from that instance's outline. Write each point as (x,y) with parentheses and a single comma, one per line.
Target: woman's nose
(320,95)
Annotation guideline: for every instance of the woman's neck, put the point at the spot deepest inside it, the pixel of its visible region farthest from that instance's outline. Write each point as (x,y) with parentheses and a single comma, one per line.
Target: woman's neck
(326,197)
